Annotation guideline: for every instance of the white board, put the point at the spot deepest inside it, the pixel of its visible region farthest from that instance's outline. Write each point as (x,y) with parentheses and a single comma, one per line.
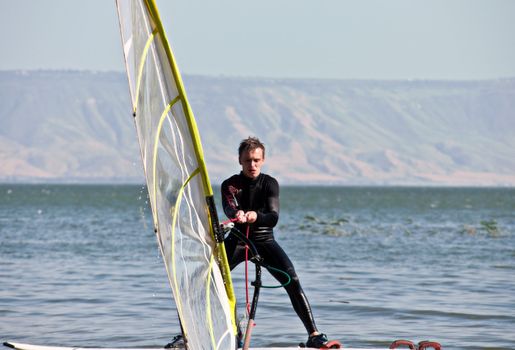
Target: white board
(21,346)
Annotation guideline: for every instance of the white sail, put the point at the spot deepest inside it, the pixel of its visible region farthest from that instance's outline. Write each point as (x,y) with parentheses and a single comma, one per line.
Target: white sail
(177,181)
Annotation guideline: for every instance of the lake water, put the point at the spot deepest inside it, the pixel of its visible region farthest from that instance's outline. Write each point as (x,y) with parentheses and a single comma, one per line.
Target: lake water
(80,266)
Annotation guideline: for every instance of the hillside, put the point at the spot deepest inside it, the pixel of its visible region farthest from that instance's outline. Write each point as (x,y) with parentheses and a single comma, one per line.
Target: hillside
(77,126)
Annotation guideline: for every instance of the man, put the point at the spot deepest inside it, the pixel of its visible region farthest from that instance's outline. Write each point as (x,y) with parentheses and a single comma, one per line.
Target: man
(252,198)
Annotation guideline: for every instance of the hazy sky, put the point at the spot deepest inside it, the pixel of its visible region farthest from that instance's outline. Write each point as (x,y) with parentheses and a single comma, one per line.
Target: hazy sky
(371,39)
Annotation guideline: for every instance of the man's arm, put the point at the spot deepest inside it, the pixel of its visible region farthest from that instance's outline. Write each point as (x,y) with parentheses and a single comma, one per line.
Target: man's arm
(270,216)
(230,204)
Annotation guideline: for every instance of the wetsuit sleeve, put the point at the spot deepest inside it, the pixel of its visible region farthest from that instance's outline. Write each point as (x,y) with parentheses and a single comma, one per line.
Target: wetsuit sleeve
(229,203)
(270,215)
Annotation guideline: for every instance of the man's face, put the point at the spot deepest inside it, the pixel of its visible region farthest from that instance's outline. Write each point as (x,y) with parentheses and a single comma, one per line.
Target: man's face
(251,163)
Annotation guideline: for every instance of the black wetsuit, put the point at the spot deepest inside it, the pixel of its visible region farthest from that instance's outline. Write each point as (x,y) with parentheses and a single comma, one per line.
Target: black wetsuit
(262,196)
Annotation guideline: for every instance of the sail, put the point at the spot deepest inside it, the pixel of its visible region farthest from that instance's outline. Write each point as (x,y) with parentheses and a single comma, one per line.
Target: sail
(180,193)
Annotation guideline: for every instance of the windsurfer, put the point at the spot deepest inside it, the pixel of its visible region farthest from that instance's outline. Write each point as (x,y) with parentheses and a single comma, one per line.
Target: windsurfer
(251,198)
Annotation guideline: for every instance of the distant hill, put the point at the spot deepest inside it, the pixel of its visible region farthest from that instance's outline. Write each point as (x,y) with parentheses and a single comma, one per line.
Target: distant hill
(77,126)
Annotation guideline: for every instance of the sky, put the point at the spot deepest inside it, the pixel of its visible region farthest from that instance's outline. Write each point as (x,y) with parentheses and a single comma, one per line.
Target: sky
(341,39)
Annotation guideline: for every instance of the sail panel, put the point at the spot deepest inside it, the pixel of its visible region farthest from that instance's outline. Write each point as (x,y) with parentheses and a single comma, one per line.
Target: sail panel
(176,180)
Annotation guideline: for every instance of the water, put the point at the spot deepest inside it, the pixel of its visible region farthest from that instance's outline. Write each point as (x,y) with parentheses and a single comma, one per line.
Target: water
(79,265)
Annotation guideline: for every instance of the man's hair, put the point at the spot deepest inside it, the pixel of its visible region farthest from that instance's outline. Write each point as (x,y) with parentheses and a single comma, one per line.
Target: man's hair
(249,144)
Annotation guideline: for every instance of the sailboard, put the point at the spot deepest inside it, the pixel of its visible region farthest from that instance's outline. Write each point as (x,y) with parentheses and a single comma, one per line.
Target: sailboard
(21,346)
(180,193)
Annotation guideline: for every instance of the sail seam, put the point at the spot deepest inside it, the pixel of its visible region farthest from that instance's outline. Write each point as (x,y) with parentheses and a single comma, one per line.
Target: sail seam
(142,65)
(174,223)
(163,117)
(208,301)
(156,143)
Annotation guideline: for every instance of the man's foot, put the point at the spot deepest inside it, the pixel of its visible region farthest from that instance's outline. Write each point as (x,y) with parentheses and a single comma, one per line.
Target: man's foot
(316,341)
(320,341)
(176,343)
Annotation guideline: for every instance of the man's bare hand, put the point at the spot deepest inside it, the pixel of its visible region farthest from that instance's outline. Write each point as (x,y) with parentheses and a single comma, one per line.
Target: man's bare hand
(241,218)
(251,216)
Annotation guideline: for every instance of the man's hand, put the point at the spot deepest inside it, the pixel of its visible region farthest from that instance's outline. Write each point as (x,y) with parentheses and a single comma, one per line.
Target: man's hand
(251,216)
(241,218)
